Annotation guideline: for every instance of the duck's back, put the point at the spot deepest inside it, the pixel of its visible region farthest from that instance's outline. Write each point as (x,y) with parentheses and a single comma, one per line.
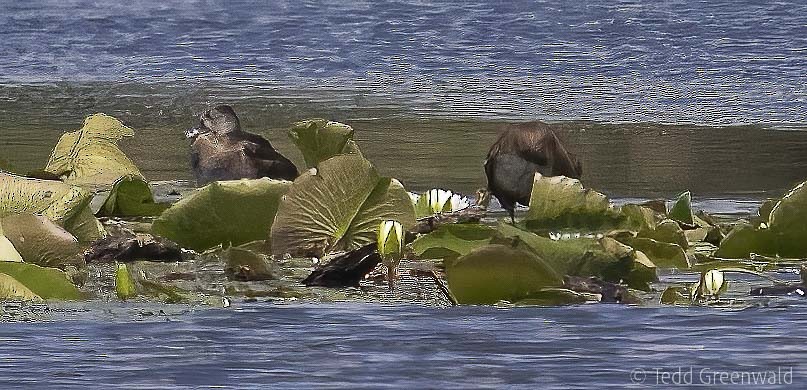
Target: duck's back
(237,156)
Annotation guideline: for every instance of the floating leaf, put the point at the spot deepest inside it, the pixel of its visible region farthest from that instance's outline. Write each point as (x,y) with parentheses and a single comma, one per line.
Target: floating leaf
(10,288)
(320,139)
(666,231)
(48,283)
(452,240)
(131,197)
(559,202)
(784,235)
(338,206)
(90,157)
(226,212)
(65,205)
(39,241)
(245,265)
(682,209)
(124,285)
(7,250)
(495,273)
(662,254)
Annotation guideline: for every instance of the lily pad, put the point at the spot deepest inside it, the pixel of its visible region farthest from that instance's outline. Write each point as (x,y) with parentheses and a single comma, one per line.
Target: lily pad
(223,213)
(40,241)
(7,250)
(48,283)
(338,206)
(666,231)
(65,205)
(131,197)
(682,209)
(90,157)
(10,288)
(452,240)
(784,235)
(321,139)
(496,273)
(245,265)
(662,254)
(559,202)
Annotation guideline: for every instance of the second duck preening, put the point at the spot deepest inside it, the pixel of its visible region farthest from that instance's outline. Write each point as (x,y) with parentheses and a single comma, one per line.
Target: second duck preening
(521,151)
(221,150)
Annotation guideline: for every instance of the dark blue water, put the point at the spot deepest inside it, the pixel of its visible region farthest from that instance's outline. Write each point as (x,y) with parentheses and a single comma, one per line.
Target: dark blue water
(372,346)
(705,62)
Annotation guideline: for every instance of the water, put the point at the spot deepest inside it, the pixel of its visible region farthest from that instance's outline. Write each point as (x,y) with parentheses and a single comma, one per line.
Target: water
(372,346)
(655,97)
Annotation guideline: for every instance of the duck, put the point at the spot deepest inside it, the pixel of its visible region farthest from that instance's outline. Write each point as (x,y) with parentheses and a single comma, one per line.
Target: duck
(520,151)
(221,150)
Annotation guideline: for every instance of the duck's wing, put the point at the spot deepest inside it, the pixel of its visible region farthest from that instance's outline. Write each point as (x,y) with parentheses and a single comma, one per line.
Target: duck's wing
(268,161)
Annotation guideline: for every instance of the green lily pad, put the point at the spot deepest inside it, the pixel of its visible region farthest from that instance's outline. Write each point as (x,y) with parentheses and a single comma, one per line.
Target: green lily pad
(243,264)
(223,213)
(48,283)
(452,241)
(682,209)
(784,235)
(131,197)
(338,206)
(90,157)
(662,254)
(40,241)
(560,202)
(496,273)
(10,288)
(65,205)
(321,139)
(666,231)
(638,217)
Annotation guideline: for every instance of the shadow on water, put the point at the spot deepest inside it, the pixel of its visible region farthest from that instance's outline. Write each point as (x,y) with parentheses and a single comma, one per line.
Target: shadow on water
(622,160)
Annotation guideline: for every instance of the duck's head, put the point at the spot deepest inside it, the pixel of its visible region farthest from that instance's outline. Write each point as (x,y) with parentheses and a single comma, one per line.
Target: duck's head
(220,120)
(483,198)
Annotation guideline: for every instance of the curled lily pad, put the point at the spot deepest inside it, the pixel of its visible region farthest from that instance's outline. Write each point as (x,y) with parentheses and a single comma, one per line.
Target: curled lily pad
(7,250)
(338,206)
(666,231)
(131,197)
(682,209)
(496,273)
(90,157)
(452,240)
(225,212)
(662,254)
(784,234)
(65,205)
(320,139)
(10,288)
(48,283)
(40,241)
(559,202)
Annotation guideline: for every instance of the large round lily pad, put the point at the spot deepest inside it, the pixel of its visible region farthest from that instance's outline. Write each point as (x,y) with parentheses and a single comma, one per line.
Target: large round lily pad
(338,206)
(559,202)
(225,212)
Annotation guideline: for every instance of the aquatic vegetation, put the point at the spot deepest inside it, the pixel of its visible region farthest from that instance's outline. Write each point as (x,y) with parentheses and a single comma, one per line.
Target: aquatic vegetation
(47,283)
(321,139)
(66,205)
(784,234)
(338,206)
(494,273)
(131,197)
(7,250)
(40,241)
(562,202)
(124,286)
(390,247)
(89,157)
(451,241)
(681,211)
(438,201)
(223,213)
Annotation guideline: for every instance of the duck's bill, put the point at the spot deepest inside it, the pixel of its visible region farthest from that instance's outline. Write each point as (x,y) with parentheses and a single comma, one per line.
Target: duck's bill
(192,133)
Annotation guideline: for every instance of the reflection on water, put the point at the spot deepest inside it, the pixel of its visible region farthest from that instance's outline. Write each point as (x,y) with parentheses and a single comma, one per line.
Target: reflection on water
(624,160)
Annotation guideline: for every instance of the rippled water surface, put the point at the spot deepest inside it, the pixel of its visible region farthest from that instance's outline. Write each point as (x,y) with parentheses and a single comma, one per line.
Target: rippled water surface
(372,346)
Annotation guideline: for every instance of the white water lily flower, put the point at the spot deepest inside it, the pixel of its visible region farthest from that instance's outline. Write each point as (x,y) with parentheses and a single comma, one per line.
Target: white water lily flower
(415,197)
(459,202)
(437,199)
(712,282)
